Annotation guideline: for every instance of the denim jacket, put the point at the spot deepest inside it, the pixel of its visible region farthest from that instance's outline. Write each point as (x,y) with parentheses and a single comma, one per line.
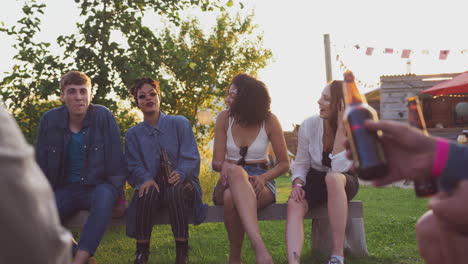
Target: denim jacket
(103,156)
(142,147)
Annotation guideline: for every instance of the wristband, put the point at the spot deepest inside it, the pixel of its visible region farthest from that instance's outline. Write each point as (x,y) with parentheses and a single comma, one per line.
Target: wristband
(440,157)
(122,201)
(297,185)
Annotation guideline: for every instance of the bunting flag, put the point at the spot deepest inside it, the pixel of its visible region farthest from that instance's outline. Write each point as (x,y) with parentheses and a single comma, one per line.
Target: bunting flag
(405,54)
(343,68)
(443,54)
(388,51)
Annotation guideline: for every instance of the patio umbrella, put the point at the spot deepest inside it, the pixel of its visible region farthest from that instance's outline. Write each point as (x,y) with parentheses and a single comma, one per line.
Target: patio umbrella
(459,84)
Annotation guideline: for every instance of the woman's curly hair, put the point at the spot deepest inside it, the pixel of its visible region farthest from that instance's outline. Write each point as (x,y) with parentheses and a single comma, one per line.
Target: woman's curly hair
(139,82)
(251,105)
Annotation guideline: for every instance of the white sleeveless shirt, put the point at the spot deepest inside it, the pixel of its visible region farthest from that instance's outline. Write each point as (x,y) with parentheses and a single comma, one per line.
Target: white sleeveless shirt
(256,151)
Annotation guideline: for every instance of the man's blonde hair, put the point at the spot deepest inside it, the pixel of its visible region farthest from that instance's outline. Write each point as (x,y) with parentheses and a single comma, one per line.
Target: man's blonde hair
(74,77)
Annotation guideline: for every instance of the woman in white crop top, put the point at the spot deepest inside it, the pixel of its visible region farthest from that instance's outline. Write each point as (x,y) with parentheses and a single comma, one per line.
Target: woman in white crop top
(242,135)
(320,174)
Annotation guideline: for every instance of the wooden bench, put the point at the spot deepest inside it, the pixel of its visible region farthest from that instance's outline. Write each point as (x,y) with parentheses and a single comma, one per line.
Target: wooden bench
(355,240)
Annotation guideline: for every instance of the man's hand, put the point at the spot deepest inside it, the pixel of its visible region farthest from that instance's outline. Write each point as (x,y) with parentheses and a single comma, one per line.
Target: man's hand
(452,209)
(409,152)
(145,187)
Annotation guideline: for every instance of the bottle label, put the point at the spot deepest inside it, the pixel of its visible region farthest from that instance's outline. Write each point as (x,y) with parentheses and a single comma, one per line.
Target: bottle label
(365,144)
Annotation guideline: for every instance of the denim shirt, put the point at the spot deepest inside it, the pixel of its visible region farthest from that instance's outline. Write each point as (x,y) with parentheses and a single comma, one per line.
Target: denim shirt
(454,169)
(103,157)
(142,148)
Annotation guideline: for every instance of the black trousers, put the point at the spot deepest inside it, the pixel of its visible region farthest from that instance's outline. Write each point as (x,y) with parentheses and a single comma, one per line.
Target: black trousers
(177,199)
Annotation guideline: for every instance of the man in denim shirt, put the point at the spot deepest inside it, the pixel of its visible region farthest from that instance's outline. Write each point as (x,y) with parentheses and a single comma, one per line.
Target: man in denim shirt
(178,188)
(79,151)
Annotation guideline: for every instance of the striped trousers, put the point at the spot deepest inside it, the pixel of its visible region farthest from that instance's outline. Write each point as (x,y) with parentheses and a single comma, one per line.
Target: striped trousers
(177,199)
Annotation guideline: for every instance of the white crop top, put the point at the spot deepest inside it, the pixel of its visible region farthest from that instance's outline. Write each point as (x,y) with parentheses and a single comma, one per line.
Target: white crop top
(256,151)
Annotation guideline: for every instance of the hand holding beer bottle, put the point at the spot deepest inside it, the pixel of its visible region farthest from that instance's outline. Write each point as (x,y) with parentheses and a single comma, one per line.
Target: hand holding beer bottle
(169,174)
(367,151)
(428,186)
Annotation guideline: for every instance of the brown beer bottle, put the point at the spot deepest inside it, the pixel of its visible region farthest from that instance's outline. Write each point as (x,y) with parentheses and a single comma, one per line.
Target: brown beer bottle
(426,187)
(166,166)
(368,154)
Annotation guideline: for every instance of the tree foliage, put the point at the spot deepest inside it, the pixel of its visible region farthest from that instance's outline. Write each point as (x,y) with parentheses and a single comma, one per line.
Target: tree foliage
(200,65)
(111,65)
(194,66)
(33,77)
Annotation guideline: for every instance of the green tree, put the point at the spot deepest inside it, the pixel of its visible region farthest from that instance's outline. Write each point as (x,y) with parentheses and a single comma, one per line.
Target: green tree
(34,77)
(200,65)
(111,66)
(194,66)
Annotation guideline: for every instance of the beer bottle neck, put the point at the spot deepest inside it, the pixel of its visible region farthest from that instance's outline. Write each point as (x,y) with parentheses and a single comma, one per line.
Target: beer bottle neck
(353,96)
(415,115)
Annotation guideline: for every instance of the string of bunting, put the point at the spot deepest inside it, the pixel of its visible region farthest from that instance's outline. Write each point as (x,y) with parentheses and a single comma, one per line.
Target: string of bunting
(360,83)
(403,53)
(343,67)
(442,54)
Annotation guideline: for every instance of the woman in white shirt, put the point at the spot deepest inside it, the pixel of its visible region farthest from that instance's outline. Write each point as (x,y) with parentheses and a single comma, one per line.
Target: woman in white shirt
(320,174)
(242,135)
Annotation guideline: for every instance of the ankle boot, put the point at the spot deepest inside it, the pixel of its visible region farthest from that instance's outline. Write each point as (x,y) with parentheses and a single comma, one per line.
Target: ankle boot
(182,249)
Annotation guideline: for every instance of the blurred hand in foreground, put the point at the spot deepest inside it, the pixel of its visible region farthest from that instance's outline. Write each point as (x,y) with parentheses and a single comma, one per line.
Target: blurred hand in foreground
(409,152)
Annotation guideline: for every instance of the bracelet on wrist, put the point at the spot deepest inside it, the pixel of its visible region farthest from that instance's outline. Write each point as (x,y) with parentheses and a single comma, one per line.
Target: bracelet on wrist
(440,157)
(297,185)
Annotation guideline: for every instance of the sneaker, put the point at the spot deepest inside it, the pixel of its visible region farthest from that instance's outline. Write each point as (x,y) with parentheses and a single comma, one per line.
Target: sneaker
(334,260)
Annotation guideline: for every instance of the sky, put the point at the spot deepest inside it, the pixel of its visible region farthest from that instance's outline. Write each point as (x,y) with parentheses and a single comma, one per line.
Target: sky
(294,29)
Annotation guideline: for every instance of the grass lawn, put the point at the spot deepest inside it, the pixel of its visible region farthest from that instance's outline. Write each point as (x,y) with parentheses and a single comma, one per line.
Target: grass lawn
(390,215)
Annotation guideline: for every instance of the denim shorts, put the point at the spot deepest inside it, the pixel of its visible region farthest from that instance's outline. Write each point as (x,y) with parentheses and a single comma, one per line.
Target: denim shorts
(255,170)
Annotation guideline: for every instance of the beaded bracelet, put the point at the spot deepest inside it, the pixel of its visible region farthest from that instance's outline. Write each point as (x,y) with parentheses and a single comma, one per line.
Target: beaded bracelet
(297,185)
(440,157)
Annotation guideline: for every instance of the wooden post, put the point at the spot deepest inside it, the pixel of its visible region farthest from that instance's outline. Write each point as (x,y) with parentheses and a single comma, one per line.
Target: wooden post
(326,42)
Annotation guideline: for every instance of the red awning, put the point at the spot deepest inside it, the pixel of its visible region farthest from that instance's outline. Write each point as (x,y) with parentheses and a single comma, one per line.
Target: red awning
(459,84)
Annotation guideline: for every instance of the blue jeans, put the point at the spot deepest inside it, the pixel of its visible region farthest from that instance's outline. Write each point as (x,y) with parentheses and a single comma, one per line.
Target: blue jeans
(98,200)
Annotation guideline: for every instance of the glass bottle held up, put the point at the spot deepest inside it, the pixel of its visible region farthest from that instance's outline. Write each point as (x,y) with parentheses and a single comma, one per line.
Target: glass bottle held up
(367,150)
(426,187)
